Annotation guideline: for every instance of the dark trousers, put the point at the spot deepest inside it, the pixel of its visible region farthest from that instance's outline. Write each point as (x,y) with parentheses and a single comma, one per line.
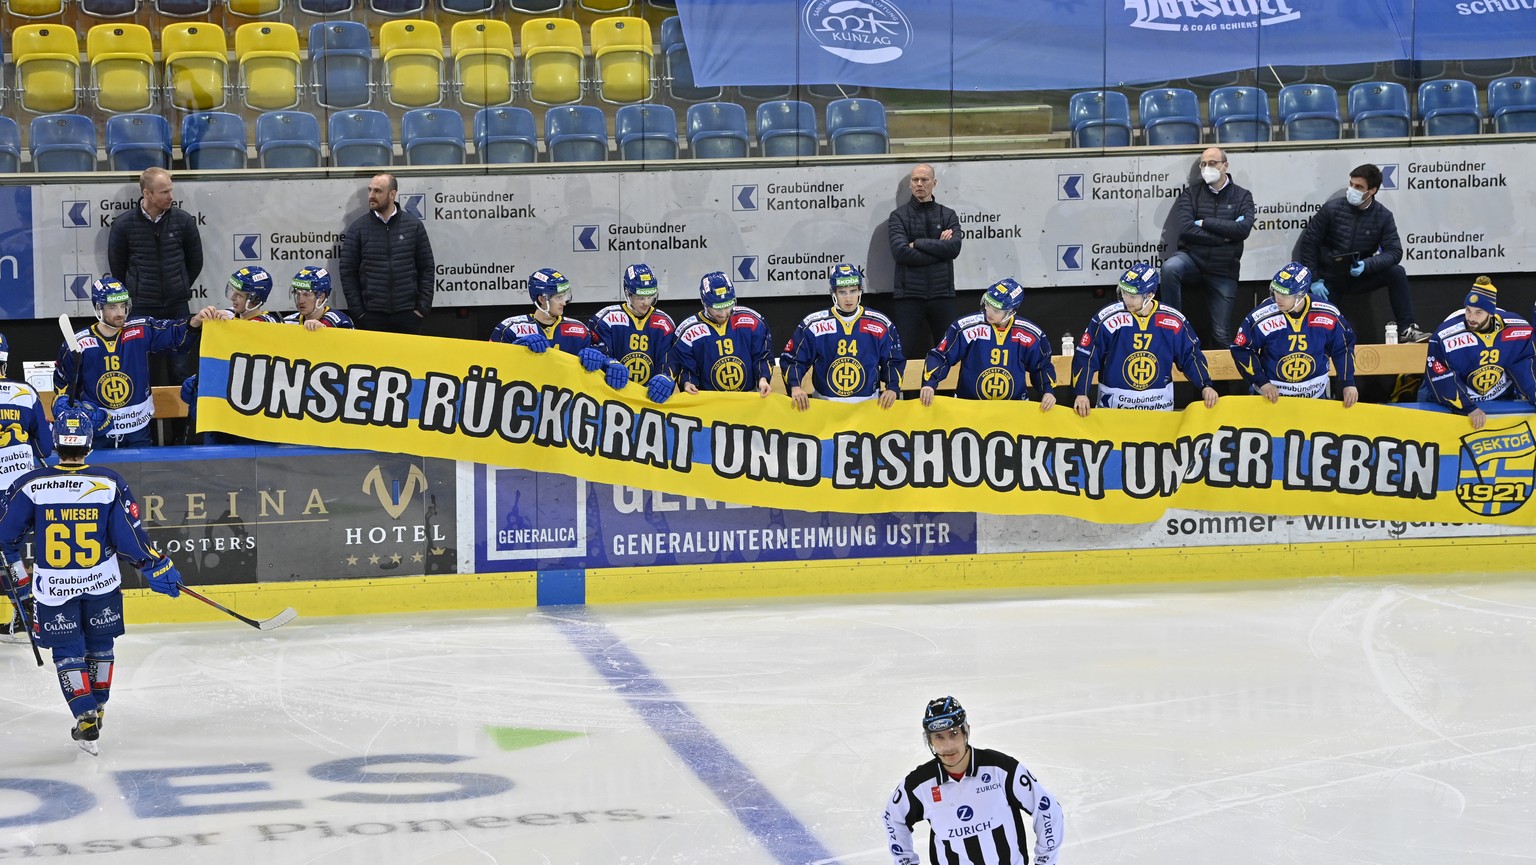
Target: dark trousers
(391,322)
(921,322)
(1396,281)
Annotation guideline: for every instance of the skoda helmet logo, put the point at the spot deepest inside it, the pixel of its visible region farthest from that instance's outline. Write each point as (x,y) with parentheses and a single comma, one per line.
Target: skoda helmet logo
(859,31)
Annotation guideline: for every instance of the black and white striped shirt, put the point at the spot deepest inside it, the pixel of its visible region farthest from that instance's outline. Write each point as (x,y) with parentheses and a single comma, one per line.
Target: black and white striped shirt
(977,819)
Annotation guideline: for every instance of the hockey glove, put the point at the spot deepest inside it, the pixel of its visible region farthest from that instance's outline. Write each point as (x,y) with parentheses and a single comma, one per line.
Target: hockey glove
(535,342)
(661,388)
(162,576)
(618,375)
(592,359)
(101,422)
(1356,269)
(1319,290)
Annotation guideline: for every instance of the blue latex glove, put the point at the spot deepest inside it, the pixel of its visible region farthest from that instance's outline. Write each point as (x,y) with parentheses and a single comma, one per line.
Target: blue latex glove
(1319,289)
(163,577)
(661,388)
(592,359)
(1199,223)
(1241,218)
(618,375)
(1357,268)
(535,342)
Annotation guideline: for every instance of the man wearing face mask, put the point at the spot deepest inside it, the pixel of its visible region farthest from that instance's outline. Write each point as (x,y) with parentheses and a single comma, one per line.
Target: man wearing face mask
(1213,216)
(1351,246)
(1479,354)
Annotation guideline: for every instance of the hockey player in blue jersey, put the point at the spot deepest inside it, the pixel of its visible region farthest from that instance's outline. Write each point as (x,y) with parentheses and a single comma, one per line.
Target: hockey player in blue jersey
(114,362)
(723,347)
(1133,347)
(1283,347)
(311,293)
(547,327)
(85,518)
(248,290)
(996,351)
(25,442)
(852,353)
(1479,354)
(636,334)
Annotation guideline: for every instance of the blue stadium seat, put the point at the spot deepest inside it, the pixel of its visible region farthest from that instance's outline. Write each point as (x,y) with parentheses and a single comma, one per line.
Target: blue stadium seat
(325,8)
(1099,118)
(646,132)
(398,8)
(717,130)
(1211,82)
(832,91)
(1310,112)
(576,133)
(1448,106)
(341,64)
(467,7)
(1379,109)
(1350,73)
(766,92)
(1170,115)
(536,7)
(109,8)
(361,136)
(857,126)
(213,141)
(786,128)
(10,146)
(1512,104)
(1239,115)
(432,136)
(678,68)
(505,135)
(184,8)
(288,139)
(1494,68)
(1282,75)
(63,142)
(138,141)
(1418,70)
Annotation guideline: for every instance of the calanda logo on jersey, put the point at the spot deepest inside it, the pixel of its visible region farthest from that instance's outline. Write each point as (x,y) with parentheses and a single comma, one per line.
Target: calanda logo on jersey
(859,31)
(1497,470)
(1196,15)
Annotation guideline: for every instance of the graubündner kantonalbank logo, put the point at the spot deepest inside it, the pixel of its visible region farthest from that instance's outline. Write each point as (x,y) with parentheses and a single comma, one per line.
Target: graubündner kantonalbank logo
(1224,15)
(859,31)
(1498,468)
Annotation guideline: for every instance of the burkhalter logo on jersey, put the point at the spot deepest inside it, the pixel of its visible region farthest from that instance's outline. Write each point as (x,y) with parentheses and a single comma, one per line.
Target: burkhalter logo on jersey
(859,31)
(1497,470)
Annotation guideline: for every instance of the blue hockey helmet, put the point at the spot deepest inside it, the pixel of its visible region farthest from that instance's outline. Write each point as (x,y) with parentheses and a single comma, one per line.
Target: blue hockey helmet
(716,291)
(1005,294)
(547,282)
(1142,279)
(844,275)
(254,282)
(638,279)
(73,428)
(108,290)
(311,278)
(1292,279)
(945,713)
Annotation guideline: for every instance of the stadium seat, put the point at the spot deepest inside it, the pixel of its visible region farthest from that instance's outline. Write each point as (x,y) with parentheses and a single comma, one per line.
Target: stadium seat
(1239,115)
(576,133)
(268,58)
(1418,70)
(607,7)
(1310,112)
(412,54)
(196,65)
(1512,104)
(213,141)
(646,132)
(717,130)
(254,8)
(138,141)
(432,136)
(467,7)
(505,135)
(766,92)
(10,146)
(786,128)
(109,8)
(184,8)
(1282,75)
(1350,73)
(63,142)
(1379,109)
(361,137)
(47,67)
(1211,82)
(832,91)
(122,63)
(553,60)
(1448,106)
(857,126)
(1170,115)
(536,7)
(1494,68)
(288,139)
(341,64)
(482,62)
(622,53)
(28,9)
(1099,118)
(325,8)
(398,8)
(679,68)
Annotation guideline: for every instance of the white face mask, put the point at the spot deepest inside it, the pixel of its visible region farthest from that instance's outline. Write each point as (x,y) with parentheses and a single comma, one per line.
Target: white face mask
(1210,174)
(1354,196)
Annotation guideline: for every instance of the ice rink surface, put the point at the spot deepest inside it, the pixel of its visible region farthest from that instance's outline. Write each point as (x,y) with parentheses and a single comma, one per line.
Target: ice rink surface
(1315,723)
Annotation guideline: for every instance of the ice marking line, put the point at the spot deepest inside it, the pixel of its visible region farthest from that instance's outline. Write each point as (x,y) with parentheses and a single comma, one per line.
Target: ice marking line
(1389,598)
(772,824)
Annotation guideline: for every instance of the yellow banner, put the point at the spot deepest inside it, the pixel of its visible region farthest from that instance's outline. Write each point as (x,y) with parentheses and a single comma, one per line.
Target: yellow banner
(505,405)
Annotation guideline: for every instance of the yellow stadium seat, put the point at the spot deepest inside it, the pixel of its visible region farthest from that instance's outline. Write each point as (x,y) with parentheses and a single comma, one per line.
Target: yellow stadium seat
(412,51)
(35,8)
(122,58)
(196,63)
(621,49)
(255,8)
(482,61)
(268,58)
(553,60)
(47,67)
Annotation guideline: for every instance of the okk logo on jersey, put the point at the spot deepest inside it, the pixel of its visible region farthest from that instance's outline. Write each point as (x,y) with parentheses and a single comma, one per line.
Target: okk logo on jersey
(1497,470)
(859,31)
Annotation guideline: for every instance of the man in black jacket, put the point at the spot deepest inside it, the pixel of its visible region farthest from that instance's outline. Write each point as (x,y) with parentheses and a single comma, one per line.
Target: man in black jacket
(925,241)
(1213,216)
(386,264)
(154,250)
(1352,247)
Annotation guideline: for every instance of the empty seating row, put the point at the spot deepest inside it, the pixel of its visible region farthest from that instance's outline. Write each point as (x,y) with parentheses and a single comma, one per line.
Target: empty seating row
(216,141)
(47,9)
(1307,112)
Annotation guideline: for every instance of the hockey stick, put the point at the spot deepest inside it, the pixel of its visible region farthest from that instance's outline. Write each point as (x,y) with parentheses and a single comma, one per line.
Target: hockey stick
(276,621)
(73,341)
(15,594)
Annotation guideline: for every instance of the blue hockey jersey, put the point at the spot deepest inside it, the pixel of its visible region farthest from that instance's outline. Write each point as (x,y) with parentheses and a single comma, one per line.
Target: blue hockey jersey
(115,371)
(1463,367)
(732,356)
(848,356)
(332,318)
(566,334)
(994,361)
(1292,350)
(1134,357)
(26,439)
(643,345)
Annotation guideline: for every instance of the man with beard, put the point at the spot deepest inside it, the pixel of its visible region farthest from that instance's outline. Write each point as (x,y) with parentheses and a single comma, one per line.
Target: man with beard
(1479,354)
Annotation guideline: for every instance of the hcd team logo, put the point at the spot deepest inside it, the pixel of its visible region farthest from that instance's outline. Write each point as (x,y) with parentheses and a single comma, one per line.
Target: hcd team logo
(1498,468)
(859,31)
